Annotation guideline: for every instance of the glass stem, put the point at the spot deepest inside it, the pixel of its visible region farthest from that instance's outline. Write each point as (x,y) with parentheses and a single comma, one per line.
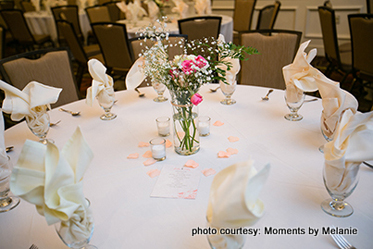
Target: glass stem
(5,201)
(337,205)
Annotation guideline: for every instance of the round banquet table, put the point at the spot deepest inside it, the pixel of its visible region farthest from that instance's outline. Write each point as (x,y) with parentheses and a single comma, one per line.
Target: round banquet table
(226,27)
(119,188)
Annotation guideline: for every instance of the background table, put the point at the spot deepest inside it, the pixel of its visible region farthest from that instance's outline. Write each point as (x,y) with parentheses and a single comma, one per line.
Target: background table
(119,188)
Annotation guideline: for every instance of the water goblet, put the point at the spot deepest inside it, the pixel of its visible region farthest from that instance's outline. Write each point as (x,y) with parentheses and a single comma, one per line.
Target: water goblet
(327,134)
(106,102)
(294,100)
(7,203)
(159,88)
(219,241)
(340,182)
(228,90)
(39,125)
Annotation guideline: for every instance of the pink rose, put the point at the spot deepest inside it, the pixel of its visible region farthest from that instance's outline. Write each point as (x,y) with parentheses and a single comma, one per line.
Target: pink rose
(200,61)
(196,99)
(187,66)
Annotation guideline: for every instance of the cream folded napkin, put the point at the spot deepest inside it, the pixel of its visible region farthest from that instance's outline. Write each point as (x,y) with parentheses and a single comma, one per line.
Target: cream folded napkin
(153,9)
(230,75)
(136,74)
(132,10)
(29,101)
(102,84)
(352,144)
(52,181)
(181,8)
(36,4)
(203,7)
(233,200)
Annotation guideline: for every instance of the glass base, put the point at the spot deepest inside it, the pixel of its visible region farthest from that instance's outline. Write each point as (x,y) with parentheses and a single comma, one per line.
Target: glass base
(182,152)
(321,148)
(160,99)
(90,247)
(9,203)
(108,116)
(293,117)
(228,102)
(204,135)
(332,208)
(160,159)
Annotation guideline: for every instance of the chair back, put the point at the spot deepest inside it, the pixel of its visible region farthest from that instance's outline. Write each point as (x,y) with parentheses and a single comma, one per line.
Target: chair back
(6,5)
(73,41)
(53,68)
(2,41)
(17,26)
(98,14)
(102,2)
(114,45)
(361,30)
(27,6)
(68,13)
(369,6)
(276,51)
(243,14)
(267,16)
(200,27)
(115,13)
(71,2)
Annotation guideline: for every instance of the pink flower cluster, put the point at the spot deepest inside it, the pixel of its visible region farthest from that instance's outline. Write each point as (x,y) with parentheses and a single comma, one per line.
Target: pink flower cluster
(196,99)
(190,66)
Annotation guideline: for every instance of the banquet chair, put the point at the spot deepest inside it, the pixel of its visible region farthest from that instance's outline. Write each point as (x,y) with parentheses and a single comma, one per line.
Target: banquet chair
(338,56)
(53,67)
(267,16)
(27,6)
(242,17)
(6,5)
(115,13)
(369,6)
(276,50)
(200,27)
(102,2)
(81,53)
(361,31)
(98,14)
(2,41)
(20,31)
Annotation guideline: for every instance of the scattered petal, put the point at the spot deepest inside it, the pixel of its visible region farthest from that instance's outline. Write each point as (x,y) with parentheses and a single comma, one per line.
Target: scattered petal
(208,172)
(153,173)
(149,161)
(233,139)
(191,164)
(147,154)
(168,143)
(143,144)
(223,154)
(218,123)
(133,156)
(232,151)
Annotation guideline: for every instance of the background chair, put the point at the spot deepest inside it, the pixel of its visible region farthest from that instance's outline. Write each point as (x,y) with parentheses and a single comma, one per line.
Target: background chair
(98,14)
(115,13)
(276,51)
(267,16)
(200,27)
(6,5)
(339,57)
(27,6)
(53,68)
(242,17)
(369,6)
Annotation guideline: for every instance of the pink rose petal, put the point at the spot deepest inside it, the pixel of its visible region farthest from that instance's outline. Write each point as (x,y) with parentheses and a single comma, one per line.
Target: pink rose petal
(143,144)
(133,156)
(208,172)
(149,161)
(233,139)
(168,143)
(147,154)
(153,173)
(232,151)
(223,154)
(191,164)
(218,123)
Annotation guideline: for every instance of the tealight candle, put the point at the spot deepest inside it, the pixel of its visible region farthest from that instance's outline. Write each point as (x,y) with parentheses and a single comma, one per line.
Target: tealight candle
(163,124)
(158,148)
(204,126)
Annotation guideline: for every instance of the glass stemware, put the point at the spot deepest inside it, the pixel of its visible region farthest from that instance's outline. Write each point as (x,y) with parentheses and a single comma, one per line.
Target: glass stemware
(39,125)
(340,182)
(228,90)
(219,241)
(294,100)
(327,134)
(7,203)
(159,88)
(106,102)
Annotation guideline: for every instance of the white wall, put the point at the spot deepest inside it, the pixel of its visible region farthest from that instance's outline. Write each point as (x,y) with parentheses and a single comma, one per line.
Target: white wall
(302,16)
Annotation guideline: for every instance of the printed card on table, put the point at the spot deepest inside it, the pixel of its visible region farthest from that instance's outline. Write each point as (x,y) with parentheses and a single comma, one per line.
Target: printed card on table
(177,182)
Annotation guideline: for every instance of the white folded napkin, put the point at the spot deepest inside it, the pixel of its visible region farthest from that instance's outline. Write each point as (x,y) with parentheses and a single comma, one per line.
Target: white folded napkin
(102,84)
(136,74)
(52,181)
(153,9)
(230,75)
(133,10)
(36,4)
(29,101)
(203,7)
(123,7)
(352,144)
(233,200)
(181,8)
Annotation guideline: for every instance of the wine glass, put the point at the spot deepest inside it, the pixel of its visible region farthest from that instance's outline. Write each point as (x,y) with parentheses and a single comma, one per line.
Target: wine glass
(294,98)
(219,241)
(327,134)
(159,88)
(106,101)
(340,182)
(228,90)
(39,125)
(7,203)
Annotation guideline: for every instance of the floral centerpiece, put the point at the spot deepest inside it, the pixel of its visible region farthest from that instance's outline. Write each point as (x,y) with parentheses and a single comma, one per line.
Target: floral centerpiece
(198,63)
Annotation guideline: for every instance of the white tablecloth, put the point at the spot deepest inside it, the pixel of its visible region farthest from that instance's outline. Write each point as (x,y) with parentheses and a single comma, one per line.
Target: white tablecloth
(119,188)
(226,26)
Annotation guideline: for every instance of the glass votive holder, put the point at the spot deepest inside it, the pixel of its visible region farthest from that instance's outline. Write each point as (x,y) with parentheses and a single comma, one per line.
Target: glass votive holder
(204,126)
(163,124)
(158,148)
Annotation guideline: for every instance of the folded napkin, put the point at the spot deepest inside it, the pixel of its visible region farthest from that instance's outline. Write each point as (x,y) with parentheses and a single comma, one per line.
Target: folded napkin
(52,181)
(203,7)
(36,4)
(29,101)
(123,7)
(132,10)
(102,84)
(233,200)
(352,144)
(230,76)
(181,8)
(153,9)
